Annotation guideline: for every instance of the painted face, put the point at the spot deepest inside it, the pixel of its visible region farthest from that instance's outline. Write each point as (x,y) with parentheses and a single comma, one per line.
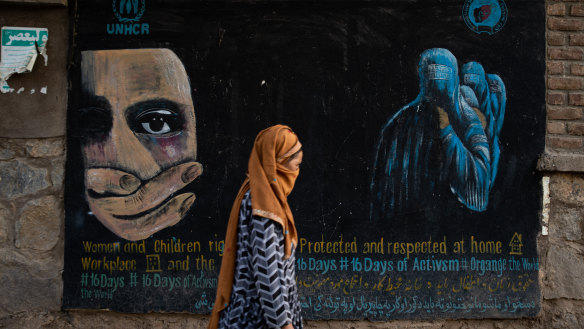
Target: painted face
(438,72)
(139,140)
(146,94)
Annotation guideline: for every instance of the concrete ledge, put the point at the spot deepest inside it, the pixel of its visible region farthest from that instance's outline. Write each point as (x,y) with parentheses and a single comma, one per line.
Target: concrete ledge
(561,162)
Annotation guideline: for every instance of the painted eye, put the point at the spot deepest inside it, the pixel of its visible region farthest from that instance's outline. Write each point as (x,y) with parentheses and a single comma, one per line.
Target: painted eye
(157,122)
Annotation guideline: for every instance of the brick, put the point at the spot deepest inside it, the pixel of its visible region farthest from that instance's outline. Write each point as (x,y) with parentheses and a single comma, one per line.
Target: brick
(576,40)
(556,38)
(564,113)
(566,53)
(556,98)
(576,128)
(576,99)
(564,83)
(571,143)
(577,69)
(565,24)
(555,68)
(577,10)
(557,9)
(557,128)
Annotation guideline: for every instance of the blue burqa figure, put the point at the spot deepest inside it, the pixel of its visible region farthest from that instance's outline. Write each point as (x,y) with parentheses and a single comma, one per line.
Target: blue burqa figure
(432,150)
(490,102)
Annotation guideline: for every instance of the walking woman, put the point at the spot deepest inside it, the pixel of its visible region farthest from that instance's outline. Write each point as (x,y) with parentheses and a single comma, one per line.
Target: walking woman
(257,286)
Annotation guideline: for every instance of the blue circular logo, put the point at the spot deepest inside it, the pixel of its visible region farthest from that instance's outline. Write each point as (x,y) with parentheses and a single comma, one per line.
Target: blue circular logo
(128,11)
(485,16)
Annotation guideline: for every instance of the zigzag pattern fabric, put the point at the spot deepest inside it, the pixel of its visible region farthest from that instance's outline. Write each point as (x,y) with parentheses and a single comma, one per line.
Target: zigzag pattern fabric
(264,288)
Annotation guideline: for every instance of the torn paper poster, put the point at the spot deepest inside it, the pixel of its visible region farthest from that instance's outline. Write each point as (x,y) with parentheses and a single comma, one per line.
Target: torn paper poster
(20,48)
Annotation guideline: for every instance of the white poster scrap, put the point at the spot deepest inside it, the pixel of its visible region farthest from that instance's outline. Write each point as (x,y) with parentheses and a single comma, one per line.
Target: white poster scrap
(20,48)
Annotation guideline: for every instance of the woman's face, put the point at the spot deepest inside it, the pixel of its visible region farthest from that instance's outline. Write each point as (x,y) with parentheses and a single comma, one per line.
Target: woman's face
(141,133)
(294,162)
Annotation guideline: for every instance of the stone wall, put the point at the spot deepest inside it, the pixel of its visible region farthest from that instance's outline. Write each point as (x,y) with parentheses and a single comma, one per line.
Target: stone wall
(31,214)
(31,224)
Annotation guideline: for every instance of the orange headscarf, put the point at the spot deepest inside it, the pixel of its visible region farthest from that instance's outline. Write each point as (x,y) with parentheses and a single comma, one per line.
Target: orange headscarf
(270,183)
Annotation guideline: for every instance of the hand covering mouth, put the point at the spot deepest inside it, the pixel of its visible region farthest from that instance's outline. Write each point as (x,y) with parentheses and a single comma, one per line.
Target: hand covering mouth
(158,203)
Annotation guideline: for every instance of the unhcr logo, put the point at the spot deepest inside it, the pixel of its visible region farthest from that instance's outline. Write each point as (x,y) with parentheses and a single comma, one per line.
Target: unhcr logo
(128,13)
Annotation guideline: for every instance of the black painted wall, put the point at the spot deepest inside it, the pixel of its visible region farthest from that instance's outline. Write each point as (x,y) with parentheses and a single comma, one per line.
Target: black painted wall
(335,72)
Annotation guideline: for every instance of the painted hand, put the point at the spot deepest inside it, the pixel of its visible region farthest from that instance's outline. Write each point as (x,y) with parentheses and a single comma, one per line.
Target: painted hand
(135,210)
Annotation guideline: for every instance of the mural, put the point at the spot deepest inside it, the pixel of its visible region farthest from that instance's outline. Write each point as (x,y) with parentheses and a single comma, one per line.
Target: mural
(418,197)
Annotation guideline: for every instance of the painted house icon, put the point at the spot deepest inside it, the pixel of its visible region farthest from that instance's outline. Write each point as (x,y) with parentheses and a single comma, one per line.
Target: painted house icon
(516,245)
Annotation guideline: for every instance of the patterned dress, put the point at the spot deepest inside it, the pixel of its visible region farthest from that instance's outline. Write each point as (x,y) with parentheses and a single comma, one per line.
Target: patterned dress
(264,286)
